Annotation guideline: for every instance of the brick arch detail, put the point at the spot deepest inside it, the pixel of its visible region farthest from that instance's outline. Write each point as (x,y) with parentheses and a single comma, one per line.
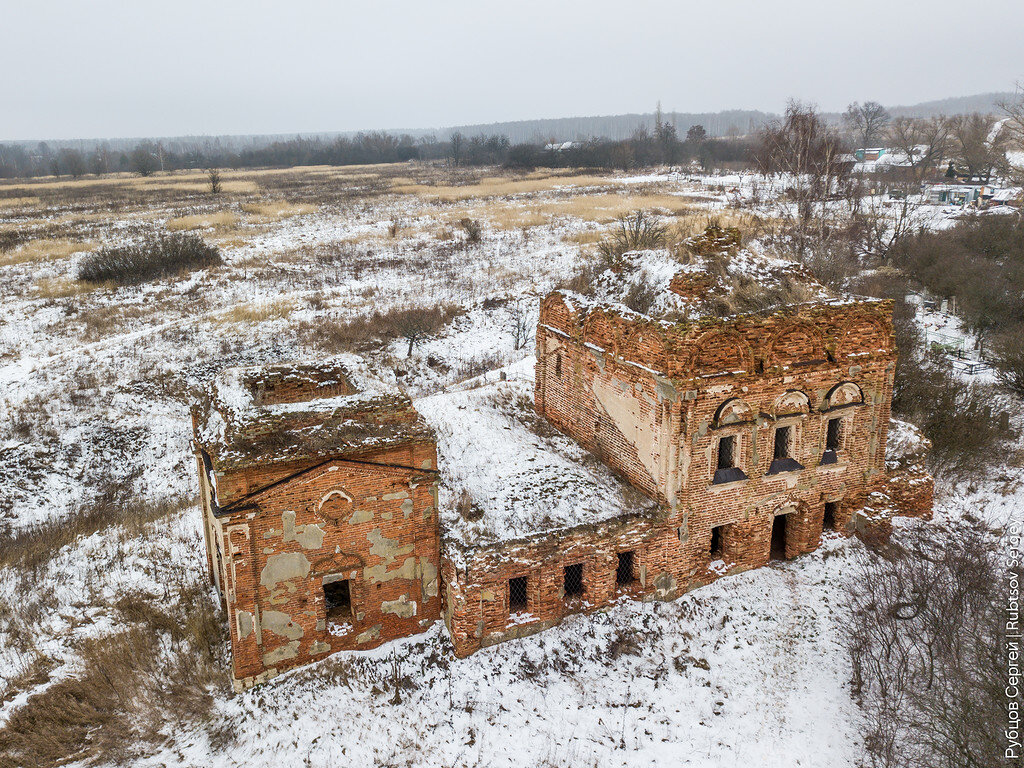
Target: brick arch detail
(843,393)
(786,347)
(719,352)
(862,335)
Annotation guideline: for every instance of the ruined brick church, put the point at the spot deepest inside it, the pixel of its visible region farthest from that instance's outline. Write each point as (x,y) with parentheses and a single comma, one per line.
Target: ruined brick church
(748,436)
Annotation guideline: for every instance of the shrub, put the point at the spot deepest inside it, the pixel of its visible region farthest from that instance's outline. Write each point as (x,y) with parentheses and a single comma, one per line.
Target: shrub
(474,230)
(1008,358)
(160,256)
(927,643)
(409,323)
(638,231)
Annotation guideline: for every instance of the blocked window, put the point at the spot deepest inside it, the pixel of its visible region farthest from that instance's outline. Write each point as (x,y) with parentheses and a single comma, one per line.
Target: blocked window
(338,599)
(624,569)
(833,434)
(831,510)
(716,548)
(518,598)
(573,580)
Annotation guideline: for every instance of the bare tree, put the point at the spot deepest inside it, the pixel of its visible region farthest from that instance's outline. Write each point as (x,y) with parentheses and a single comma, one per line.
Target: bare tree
(805,155)
(1014,128)
(216,183)
(924,142)
(866,122)
(457,141)
(979,144)
(521,322)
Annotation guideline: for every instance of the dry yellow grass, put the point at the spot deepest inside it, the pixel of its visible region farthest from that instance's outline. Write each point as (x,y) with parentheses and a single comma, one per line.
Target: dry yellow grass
(43,250)
(274,210)
(62,288)
(496,186)
(17,202)
(256,312)
(221,221)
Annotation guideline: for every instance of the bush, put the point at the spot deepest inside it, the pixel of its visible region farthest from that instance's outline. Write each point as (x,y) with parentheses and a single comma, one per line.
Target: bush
(409,323)
(928,645)
(160,256)
(639,231)
(1008,358)
(474,230)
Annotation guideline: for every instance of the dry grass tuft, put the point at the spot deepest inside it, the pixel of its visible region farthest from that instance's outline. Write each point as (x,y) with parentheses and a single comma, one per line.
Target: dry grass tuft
(256,312)
(62,288)
(220,221)
(18,202)
(275,210)
(44,250)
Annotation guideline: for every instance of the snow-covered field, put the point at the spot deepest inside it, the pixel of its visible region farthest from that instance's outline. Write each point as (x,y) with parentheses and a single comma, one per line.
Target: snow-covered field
(94,393)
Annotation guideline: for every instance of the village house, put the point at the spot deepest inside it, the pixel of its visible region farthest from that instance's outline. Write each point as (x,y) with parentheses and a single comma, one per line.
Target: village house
(660,454)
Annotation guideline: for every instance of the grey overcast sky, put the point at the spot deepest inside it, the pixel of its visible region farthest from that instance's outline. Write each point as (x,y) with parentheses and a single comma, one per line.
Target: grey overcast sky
(75,69)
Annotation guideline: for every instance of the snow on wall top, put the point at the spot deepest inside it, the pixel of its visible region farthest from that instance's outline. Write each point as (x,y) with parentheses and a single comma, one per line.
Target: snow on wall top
(287,412)
(506,475)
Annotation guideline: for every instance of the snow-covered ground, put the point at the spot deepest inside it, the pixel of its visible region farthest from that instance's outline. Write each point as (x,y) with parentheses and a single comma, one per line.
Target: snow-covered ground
(95,391)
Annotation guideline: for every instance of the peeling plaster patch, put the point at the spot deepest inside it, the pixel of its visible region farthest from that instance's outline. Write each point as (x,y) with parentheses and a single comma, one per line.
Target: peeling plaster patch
(318,646)
(309,536)
(244,621)
(428,578)
(402,494)
(403,607)
(290,565)
(360,516)
(487,595)
(665,585)
(684,529)
(407,508)
(286,651)
(386,549)
(281,624)
(380,573)
(625,412)
(373,633)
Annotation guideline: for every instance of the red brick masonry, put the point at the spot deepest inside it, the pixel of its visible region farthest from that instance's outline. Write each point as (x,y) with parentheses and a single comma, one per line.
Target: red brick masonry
(654,400)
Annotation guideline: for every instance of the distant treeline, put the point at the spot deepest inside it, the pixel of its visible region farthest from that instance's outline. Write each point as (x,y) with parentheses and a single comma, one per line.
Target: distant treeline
(644,148)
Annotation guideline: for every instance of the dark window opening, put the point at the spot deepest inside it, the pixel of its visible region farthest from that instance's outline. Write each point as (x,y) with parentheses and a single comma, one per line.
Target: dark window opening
(833,434)
(517,594)
(716,542)
(778,550)
(727,471)
(624,570)
(573,580)
(829,521)
(558,366)
(338,598)
(782,442)
(782,460)
(727,452)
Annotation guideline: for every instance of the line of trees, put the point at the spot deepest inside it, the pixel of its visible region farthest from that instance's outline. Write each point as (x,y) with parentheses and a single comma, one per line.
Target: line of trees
(645,148)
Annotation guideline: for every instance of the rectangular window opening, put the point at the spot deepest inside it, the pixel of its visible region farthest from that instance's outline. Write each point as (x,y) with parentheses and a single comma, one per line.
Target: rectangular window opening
(338,598)
(716,542)
(573,580)
(727,452)
(624,574)
(832,434)
(782,442)
(518,599)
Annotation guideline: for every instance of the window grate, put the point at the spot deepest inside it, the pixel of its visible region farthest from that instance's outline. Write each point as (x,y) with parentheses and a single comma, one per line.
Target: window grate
(832,434)
(782,442)
(573,580)
(518,597)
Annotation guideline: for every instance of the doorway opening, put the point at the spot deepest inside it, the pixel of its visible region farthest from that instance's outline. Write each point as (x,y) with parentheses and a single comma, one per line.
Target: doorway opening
(778,550)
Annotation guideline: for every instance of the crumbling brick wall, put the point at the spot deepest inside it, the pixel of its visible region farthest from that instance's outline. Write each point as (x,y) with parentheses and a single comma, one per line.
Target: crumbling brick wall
(370,520)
